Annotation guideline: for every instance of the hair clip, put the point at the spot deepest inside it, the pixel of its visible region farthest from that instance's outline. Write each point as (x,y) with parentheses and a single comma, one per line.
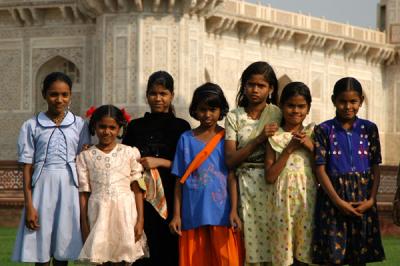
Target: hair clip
(126,115)
(90,111)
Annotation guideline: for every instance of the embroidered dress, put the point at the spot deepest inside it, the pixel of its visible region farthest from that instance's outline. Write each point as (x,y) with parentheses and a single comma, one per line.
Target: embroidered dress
(111,207)
(52,150)
(207,238)
(255,194)
(294,202)
(347,156)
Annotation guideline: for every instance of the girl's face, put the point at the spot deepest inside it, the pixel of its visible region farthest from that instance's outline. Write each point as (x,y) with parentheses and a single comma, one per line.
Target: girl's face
(207,115)
(107,130)
(58,97)
(295,110)
(347,105)
(159,99)
(257,89)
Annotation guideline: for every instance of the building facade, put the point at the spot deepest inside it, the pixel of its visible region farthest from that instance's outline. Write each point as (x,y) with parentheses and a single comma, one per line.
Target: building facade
(110,47)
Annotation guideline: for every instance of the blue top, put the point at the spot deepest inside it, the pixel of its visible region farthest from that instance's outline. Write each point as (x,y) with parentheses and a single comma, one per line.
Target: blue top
(205,199)
(41,142)
(347,151)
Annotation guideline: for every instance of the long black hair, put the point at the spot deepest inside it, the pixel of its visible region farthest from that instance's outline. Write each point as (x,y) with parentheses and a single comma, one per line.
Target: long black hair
(257,68)
(108,111)
(164,79)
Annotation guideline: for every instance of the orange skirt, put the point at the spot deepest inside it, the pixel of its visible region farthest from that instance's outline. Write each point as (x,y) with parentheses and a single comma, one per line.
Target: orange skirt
(211,246)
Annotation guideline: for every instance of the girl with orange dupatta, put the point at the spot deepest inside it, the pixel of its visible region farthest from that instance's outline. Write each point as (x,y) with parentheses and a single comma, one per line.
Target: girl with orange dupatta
(205,215)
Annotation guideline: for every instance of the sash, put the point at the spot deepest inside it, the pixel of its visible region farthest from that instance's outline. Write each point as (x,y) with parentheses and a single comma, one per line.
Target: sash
(202,155)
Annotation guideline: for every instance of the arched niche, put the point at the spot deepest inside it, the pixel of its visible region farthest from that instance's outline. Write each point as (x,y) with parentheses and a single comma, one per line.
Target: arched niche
(59,64)
(282,82)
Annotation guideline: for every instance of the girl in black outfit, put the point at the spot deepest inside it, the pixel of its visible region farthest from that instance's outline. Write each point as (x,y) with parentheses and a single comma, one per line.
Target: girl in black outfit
(156,135)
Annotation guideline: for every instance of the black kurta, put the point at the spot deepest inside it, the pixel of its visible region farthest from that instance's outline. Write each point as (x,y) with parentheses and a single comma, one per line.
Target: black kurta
(156,135)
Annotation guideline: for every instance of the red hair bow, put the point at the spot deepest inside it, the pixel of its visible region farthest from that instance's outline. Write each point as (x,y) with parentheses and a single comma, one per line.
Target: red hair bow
(90,111)
(126,115)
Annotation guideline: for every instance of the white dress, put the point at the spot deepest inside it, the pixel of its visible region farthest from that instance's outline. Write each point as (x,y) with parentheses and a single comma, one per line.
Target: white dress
(111,207)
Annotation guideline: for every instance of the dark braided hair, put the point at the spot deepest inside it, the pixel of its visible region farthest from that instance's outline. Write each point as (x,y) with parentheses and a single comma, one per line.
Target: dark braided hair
(108,111)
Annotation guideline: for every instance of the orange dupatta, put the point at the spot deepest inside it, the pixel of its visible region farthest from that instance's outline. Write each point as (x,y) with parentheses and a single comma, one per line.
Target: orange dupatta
(202,155)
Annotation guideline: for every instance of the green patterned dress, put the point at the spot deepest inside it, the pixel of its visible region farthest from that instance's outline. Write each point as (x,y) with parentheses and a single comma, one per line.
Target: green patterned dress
(255,194)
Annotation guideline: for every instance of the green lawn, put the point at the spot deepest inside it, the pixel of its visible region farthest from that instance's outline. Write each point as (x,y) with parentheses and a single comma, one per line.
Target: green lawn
(7,235)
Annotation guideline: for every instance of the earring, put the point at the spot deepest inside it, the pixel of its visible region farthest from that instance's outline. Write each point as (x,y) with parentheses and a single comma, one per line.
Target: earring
(270,95)
(69,106)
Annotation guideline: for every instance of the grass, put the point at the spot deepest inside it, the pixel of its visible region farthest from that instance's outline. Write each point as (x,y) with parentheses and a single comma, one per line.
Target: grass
(7,237)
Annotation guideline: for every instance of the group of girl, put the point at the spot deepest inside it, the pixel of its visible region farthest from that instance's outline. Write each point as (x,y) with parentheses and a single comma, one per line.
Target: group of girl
(266,189)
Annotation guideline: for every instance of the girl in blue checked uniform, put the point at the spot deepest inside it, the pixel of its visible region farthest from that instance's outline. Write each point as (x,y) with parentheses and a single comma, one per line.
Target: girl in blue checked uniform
(47,146)
(347,158)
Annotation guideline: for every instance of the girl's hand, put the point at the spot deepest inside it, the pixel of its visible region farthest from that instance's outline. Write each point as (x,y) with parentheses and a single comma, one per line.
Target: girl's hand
(306,141)
(294,144)
(150,162)
(175,225)
(32,218)
(270,129)
(364,205)
(348,209)
(235,221)
(139,229)
(85,147)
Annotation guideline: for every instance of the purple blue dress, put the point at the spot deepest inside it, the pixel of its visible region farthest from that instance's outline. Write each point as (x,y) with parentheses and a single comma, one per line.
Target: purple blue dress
(52,151)
(205,199)
(348,156)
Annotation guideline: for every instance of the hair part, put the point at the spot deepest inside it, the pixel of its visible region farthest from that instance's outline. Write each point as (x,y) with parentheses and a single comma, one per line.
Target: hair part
(257,68)
(212,95)
(108,111)
(347,84)
(53,77)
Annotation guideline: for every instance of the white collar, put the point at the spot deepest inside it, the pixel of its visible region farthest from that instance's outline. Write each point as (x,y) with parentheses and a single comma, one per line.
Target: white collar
(45,121)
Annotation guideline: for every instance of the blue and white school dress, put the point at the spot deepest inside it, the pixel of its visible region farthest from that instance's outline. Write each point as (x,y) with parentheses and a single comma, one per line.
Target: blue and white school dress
(52,150)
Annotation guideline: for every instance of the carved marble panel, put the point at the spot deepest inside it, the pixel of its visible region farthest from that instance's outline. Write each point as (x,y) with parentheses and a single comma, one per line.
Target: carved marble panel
(11,79)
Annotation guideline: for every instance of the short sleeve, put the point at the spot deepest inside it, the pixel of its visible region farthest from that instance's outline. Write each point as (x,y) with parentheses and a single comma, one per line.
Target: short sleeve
(26,144)
(84,136)
(321,146)
(83,173)
(178,165)
(231,126)
(136,167)
(375,145)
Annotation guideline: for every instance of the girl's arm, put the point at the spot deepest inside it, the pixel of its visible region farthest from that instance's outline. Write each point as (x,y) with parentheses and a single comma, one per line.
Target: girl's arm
(31,215)
(154,162)
(326,184)
(234,156)
(83,204)
(234,219)
(139,208)
(175,224)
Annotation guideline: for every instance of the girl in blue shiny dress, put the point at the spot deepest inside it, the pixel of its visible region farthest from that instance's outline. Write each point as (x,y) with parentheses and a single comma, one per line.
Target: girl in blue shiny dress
(47,146)
(347,158)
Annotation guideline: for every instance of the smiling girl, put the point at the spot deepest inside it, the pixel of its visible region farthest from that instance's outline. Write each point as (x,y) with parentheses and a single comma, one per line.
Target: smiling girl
(111,214)
(347,158)
(47,147)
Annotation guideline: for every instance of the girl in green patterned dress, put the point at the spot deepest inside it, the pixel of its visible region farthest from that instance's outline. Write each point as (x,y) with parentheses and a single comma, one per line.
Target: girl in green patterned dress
(288,165)
(246,131)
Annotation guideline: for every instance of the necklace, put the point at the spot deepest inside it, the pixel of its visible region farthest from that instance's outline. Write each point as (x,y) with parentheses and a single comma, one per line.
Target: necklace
(58,119)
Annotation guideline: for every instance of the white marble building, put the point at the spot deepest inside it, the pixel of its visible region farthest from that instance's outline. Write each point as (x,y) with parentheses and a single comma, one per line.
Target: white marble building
(110,47)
